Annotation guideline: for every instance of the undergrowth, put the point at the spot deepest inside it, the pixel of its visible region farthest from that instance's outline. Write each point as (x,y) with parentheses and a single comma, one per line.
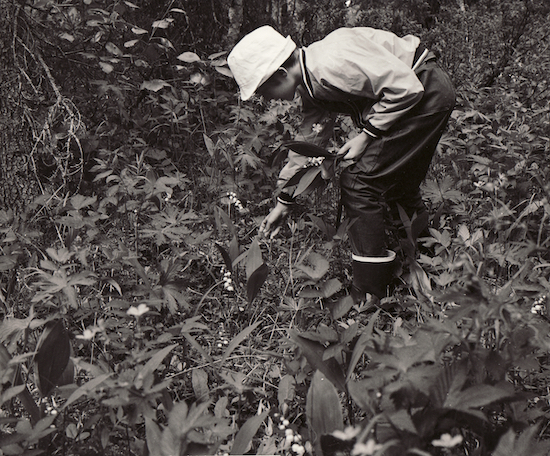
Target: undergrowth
(143,314)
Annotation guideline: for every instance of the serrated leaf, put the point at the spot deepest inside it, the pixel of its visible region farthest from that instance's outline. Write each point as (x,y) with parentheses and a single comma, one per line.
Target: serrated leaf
(477,396)
(188,57)
(464,232)
(255,282)
(79,201)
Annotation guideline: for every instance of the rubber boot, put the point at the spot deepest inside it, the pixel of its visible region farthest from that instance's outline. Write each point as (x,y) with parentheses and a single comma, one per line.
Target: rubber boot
(372,275)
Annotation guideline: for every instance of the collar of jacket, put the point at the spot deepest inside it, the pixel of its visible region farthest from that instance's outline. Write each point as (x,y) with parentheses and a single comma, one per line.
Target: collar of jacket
(305,75)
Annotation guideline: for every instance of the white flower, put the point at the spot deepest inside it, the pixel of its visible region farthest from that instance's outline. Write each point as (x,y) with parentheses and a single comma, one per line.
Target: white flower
(365,449)
(446,441)
(347,434)
(317,128)
(88,334)
(138,311)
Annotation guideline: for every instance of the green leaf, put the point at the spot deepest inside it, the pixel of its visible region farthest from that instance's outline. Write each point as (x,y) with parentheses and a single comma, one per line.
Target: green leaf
(525,444)
(152,365)
(85,389)
(154,85)
(286,390)
(113,49)
(52,355)
(246,433)
(189,57)
(314,266)
(323,408)
(199,380)
(361,344)
(253,258)
(255,282)
(307,180)
(226,258)
(477,396)
(210,147)
(341,307)
(236,341)
(313,351)
(153,435)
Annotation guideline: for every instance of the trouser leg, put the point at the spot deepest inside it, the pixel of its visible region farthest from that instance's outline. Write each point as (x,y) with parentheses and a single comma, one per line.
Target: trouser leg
(390,173)
(372,264)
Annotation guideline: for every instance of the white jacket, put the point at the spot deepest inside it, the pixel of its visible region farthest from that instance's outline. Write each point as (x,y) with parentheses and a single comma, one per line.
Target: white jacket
(361,71)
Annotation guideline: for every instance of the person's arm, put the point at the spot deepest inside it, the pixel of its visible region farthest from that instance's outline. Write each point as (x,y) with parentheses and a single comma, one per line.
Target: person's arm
(316,128)
(355,147)
(271,225)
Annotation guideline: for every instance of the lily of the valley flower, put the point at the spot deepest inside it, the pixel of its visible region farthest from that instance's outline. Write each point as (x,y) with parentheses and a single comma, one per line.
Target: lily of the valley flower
(446,441)
(138,311)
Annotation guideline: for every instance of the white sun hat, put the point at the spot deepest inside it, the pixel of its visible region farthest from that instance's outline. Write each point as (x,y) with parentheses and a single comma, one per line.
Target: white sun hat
(257,56)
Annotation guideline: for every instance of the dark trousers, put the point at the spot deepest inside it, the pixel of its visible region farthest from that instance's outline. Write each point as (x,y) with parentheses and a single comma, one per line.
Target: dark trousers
(389,173)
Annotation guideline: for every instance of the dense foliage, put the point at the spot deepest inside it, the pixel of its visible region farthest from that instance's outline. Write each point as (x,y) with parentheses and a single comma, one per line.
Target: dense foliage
(142,314)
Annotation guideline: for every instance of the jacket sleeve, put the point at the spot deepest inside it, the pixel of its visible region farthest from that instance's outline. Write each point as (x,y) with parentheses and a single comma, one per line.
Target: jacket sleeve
(316,127)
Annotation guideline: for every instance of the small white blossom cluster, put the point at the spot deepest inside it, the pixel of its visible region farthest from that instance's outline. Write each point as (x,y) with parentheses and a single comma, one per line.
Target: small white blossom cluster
(538,305)
(223,339)
(235,201)
(50,406)
(228,283)
(314,161)
(293,441)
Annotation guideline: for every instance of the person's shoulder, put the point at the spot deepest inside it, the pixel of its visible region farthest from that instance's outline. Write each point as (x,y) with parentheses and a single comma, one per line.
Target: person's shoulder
(349,32)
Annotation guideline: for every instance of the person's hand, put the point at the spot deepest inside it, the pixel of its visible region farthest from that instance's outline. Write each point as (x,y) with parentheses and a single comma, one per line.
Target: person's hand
(355,147)
(271,225)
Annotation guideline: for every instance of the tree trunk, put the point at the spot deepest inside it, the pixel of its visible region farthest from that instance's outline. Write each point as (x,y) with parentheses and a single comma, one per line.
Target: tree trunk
(235,14)
(17,183)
